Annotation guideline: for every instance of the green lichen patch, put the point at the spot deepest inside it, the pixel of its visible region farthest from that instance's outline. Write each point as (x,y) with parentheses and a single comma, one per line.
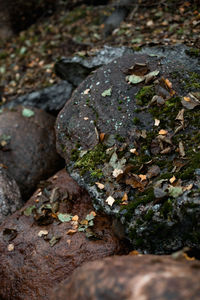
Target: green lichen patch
(145,95)
(91,160)
(193,52)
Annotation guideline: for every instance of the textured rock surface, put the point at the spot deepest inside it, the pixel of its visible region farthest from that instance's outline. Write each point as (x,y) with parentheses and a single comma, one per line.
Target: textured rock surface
(36,251)
(127,277)
(28,147)
(50,99)
(76,69)
(10,198)
(133,138)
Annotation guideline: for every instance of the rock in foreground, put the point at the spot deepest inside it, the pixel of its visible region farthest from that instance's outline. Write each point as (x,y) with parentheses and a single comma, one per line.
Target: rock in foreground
(133,278)
(55,232)
(27,146)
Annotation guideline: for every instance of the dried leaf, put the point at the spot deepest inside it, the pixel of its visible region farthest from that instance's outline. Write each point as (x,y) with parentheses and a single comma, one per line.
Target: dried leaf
(156,122)
(71,231)
(163,132)
(116,172)
(188,187)
(172,179)
(180,116)
(125,197)
(166,150)
(42,232)
(134,151)
(138,69)
(150,76)
(75,218)
(26,112)
(181,149)
(134,79)
(110,200)
(86,92)
(11,247)
(107,93)
(101,136)
(100,185)
(142,177)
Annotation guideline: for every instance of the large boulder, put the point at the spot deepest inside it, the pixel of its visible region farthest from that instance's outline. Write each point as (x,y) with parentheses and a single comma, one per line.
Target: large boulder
(54,233)
(132,277)
(10,197)
(27,146)
(130,135)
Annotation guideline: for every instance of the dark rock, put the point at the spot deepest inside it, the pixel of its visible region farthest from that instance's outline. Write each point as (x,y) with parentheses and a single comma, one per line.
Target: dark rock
(76,69)
(132,277)
(37,252)
(107,129)
(27,147)
(10,198)
(51,99)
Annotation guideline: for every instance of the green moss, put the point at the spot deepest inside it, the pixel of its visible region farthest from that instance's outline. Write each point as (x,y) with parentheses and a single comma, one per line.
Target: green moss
(193,52)
(149,215)
(119,138)
(119,108)
(188,171)
(145,95)
(140,198)
(91,160)
(193,81)
(136,120)
(166,208)
(168,113)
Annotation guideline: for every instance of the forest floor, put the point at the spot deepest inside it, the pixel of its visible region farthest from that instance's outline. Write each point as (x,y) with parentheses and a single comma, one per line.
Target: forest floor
(27,60)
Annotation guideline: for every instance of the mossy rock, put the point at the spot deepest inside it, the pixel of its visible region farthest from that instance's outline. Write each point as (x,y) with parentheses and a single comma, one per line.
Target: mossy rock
(140,164)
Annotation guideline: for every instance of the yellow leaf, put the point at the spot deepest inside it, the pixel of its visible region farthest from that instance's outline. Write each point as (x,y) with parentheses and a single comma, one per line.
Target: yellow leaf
(75,218)
(100,185)
(142,177)
(163,132)
(172,179)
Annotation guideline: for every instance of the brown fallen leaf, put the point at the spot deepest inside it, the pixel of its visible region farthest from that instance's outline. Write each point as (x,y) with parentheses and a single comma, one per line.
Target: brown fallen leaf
(181,149)
(166,150)
(71,231)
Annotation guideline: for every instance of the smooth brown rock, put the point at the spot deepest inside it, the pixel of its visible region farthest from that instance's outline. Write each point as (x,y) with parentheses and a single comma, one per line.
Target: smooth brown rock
(145,277)
(28,147)
(10,198)
(33,266)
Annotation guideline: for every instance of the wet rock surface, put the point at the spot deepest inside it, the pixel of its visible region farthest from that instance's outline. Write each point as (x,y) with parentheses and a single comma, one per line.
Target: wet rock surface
(76,69)
(51,99)
(55,232)
(127,277)
(132,130)
(27,146)
(10,198)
